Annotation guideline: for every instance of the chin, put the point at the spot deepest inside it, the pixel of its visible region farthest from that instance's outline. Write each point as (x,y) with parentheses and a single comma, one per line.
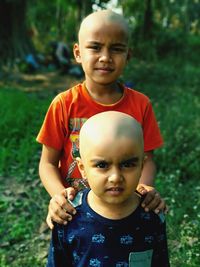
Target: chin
(116,201)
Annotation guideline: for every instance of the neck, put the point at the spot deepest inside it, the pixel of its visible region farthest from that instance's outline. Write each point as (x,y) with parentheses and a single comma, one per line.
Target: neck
(113,211)
(105,94)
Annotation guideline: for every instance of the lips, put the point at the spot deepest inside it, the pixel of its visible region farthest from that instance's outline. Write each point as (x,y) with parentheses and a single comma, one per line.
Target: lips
(115,190)
(105,69)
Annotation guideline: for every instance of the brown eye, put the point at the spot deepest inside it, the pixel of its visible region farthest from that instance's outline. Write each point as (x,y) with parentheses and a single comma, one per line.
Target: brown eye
(128,163)
(118,49)
(94,47)
(102,165)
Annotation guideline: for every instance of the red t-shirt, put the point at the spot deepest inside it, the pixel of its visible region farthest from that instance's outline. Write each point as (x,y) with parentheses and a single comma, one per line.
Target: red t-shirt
(70,109)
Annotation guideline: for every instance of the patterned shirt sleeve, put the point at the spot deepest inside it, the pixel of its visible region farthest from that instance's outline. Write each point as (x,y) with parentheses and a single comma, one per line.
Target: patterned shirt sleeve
(58,256)
(161,257)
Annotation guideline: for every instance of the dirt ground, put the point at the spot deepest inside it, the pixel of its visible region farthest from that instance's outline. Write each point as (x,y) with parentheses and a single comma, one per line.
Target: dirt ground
(41,81)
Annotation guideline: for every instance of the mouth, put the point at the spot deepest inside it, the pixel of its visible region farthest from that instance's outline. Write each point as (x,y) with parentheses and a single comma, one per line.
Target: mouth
(115,190)
(105,69)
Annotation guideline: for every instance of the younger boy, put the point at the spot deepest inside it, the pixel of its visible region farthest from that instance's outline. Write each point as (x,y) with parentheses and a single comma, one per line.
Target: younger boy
(110,227)
(103,51)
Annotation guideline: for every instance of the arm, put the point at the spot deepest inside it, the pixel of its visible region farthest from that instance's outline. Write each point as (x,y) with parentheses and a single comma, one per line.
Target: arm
(149,170)
(52,181)
(49,172)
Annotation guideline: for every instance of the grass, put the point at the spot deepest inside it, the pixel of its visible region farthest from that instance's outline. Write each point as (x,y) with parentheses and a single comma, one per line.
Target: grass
(173,89)
(23,201)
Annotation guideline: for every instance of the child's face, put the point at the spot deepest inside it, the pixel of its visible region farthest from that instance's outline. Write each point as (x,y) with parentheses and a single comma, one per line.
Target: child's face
(102,51)
(113,169)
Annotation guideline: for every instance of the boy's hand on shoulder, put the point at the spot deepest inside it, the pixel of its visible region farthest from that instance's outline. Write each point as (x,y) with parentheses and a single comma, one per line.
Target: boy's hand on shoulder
(60,210)
(152,200)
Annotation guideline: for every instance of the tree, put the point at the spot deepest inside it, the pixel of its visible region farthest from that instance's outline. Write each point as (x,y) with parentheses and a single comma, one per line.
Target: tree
(53,19)
(15,39)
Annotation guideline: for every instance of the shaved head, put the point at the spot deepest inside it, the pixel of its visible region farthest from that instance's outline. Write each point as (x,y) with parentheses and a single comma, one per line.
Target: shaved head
(103,18)
(106,127)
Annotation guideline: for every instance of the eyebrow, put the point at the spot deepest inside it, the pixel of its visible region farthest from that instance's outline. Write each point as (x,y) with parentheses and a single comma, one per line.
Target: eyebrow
(132,159)
(99,43)
(97,160)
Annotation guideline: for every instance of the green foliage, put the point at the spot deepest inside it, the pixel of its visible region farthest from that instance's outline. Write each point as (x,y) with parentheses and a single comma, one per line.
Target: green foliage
(170,42)
(22,203)
(18,113)
(173,87)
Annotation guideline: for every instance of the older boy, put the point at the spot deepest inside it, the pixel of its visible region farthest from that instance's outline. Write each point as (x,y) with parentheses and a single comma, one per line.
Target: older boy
(110,227)
(103,51)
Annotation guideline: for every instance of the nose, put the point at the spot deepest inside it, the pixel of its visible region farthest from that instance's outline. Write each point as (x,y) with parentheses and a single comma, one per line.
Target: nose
(115,176)
(105,56)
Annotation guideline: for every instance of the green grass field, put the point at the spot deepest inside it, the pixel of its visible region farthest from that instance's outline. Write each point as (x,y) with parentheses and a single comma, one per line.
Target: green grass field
(174,91)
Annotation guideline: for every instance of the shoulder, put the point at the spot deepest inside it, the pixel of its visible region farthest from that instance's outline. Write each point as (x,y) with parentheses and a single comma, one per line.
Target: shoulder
(67,97)
(78,200)
(136,94)
(68,93)
(151,217)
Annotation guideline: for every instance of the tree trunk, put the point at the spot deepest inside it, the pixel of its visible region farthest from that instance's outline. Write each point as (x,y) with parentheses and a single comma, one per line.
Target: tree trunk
(15,41)
(148,20)
(84,8)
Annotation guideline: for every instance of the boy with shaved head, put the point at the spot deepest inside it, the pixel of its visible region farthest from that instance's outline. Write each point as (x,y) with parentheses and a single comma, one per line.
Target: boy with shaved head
(110,227)
(103,51)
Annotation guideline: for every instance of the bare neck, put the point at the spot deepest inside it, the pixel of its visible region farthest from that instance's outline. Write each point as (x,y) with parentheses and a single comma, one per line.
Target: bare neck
(107,95)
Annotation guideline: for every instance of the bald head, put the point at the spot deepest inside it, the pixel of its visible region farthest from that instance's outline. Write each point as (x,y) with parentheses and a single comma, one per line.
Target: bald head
(106,127)
(103,18)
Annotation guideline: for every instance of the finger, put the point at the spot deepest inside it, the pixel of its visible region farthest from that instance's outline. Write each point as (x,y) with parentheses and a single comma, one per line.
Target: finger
(69,209)
(49,222)
(60,217)
(160,207)
(148,198)
(59,199)
(141,190)
(62,202)
(154,202)
(70,193)
(57,212)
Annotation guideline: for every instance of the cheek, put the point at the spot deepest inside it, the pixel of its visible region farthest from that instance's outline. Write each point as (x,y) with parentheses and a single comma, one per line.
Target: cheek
(121,64)
(95,179)
(135,177)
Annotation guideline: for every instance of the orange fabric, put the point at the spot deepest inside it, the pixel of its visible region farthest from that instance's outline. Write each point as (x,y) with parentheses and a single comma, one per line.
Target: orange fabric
(70,109)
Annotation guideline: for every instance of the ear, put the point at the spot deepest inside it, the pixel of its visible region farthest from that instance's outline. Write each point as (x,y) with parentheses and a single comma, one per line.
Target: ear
(76,51)
(81,167)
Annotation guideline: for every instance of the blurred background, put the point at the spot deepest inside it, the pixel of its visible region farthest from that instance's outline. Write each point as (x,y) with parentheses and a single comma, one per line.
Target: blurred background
(36,62)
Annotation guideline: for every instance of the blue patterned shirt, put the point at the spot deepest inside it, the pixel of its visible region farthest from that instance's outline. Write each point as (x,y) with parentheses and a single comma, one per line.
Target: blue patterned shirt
(138,240)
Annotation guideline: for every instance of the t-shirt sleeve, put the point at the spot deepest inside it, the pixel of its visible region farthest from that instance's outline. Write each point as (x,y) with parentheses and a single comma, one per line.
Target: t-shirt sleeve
(160,254)
(151,131)
(53,130)
(59,253)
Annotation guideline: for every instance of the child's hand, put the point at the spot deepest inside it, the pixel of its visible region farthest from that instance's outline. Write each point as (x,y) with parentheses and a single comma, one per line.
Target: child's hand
(60,210)
(153,200)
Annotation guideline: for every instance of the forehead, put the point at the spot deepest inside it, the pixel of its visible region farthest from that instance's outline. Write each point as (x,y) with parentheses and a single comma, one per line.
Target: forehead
(102,29)
(109,148)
